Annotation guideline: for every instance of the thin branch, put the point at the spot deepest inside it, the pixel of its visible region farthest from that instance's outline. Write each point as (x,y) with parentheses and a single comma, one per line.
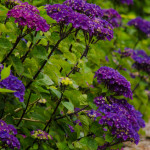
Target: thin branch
(51,118)
(50,54)
(71,114)
(24,110)
(32,120)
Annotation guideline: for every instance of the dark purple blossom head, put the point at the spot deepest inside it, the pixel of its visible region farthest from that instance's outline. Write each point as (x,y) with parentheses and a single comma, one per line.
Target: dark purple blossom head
(128,2)
(7,135)
(81,6)
(12,83)
(28,15)
(122,117)
(95,27)
(141,24)
(112,16)
(142,61)
(114,81)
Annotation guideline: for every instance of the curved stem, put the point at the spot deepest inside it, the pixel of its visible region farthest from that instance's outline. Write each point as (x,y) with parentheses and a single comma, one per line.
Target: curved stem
(51,118)
(24,111)
(15,45)
(137,85)
(71,114)
(50,54)
(83,55)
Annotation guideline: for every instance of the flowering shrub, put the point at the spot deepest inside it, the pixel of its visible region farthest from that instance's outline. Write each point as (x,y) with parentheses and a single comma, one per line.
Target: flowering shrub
(74,74)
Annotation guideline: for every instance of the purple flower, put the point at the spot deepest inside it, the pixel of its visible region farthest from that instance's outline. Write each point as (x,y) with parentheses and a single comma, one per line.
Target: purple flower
(112,16)
(41,135)
(114,81)
(126,53)
(12,83)
(28,15)
(141,24)
(142,61)
(128,2)
(95,27)
(122,117)
(7,135)
(81,6)
(71,128)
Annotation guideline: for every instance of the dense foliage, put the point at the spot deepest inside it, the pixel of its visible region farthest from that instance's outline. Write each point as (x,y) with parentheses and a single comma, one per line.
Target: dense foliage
(74,74)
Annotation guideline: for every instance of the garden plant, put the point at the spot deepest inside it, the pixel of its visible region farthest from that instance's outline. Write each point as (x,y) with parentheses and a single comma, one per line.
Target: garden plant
(74,74)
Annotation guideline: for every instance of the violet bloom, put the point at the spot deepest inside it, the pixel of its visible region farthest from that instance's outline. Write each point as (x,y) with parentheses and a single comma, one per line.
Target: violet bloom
(93,114)
(7,135)
(141,24)
(122,117)
(81,6)
(71,128)
(114,81)
(12,83)
(142,61)
(28,15)
(95,27)
(41,135)
(112,16)
(126,53)
(128,2)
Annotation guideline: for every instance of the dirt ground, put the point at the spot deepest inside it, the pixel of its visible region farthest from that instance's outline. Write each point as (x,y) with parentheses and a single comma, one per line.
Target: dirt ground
(144,144)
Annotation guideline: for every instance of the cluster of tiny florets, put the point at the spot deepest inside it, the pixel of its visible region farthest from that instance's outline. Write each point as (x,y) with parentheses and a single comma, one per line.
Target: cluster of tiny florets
(142,61)
(122,117)
(7,135)
(41,135)
(114,81)
(81,6)
(28,15)
(141,24)
(112,16)
(66,81)
(12,83)
(64,14)
(128,2)
(126,53)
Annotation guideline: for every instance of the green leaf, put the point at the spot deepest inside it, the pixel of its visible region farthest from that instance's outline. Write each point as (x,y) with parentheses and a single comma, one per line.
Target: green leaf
(109,138)
(6,91)
(55,91)
(17,64)
(45,80)
(89,142)
(5,43)
(62,146)
(69,106)
(5,72)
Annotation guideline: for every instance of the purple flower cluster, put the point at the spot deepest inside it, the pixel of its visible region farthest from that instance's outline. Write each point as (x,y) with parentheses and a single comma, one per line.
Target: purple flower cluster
(141,24)
(128,2)
(28,15)
(126,53)
(142,61)
(7,135)
(114,81)
(112,16)
(91,10)
(12,83)
(122,117)
(42,135)
(94,26)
